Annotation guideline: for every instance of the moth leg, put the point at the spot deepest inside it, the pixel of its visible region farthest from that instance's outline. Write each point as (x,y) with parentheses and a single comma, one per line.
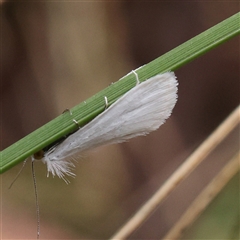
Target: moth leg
(70,112)
(137,79)
(75,121)
(67,110)
(106,102)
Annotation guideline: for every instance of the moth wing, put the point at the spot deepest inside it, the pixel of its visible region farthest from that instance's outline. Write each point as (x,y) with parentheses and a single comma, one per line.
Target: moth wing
(141,110)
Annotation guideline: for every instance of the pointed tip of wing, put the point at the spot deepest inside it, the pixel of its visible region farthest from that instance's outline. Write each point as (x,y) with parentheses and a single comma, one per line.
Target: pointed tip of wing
(60,167)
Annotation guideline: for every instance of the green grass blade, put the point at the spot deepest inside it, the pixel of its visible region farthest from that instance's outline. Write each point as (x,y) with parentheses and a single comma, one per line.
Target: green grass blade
(86,111)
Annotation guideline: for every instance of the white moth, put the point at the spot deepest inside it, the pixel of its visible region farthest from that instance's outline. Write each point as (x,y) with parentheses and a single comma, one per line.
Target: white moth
(140,111)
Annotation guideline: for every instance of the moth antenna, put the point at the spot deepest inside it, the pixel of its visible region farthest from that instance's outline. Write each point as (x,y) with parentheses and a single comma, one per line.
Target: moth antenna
(137,79)
(14,180)
(36,199)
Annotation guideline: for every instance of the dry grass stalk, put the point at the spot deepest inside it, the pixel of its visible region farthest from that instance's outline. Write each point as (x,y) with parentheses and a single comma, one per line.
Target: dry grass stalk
(205,198)
(180,174)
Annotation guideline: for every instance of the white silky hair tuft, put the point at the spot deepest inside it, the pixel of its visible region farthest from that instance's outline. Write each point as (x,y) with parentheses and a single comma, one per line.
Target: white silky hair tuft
(140,111)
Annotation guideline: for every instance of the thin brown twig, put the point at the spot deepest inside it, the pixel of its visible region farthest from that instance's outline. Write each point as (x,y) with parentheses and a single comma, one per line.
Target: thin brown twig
(180,174)
(204,198)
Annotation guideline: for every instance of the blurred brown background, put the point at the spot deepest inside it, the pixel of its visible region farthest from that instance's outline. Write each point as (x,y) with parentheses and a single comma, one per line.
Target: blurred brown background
(57,54)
